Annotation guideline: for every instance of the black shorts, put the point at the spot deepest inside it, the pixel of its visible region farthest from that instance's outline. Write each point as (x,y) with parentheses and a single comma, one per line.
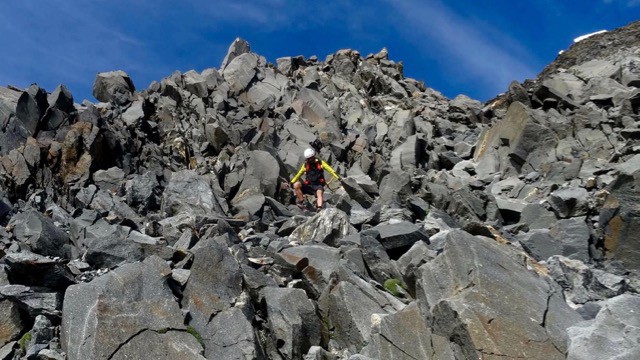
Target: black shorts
(310,189)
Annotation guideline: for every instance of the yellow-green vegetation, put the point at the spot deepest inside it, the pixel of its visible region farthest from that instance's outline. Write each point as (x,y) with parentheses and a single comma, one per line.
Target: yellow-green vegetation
(195,334)
(24,341)
(391,285)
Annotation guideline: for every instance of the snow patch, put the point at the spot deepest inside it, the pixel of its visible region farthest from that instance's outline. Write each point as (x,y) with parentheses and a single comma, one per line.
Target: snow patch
(580,38)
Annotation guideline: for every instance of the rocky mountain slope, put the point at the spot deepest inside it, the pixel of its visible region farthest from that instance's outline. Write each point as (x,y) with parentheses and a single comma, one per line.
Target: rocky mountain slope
(155,224)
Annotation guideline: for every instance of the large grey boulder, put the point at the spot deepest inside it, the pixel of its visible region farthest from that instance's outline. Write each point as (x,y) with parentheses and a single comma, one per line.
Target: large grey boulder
(231,337)
(568,202)
(408,155)
(265,93)
(168,344)
(195,84)
(574,235)
(526,138)
(109,245)
(328,226)
(11,325)
(403,336)
(34,300)
(188,192)
(349,306)
(134,114)
(613,334)
(260,180)
(113,86)
(377,260)
(293,322)
(620,220)
(399,235)
(240,71)
(517,312)
(110,179)
(540,244)
(26,268)
(40,234)
(214,285)
(323,258)
(357,193)
(141,192)
(582,284)
(102,316)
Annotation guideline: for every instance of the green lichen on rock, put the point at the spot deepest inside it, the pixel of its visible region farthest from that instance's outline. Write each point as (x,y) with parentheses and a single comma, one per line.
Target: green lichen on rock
(391,285)
(24,341)
(195,334)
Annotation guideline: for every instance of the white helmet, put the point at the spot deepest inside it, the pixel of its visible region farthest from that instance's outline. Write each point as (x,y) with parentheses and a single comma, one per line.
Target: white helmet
(309,153)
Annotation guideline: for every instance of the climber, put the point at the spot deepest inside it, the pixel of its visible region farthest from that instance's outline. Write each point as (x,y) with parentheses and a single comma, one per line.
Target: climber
(314,179)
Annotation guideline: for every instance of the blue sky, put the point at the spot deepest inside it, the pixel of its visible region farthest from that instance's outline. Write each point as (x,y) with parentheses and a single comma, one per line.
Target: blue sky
(465,46)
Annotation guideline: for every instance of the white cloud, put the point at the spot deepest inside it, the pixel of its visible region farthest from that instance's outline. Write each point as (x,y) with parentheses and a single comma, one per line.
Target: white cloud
(494,60)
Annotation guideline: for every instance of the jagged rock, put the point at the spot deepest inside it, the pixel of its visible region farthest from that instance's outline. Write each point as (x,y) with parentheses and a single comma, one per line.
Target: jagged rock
(141,192)
(134,114)
(31,269)
(400,235)
(473,270)
(574,234)
(613,334)
(237,48)
(328,226)
(619,219)
(195,84)
(349,306)
(528,141)
(42,331)
(214,285)
(569,202)
(33,300)
(170,345)
(408,155)
(188,192)
(394,188)
(321,257)
(109,245)
(231,337)
(403,335)
(11,325)
(48,354)
(113,86)
(263,94)
(240,71)
(377,260)
(111,205)
(61,99)
(293,322)
(540,243)
(536,216)
(260,179)
(409,263)
(100,318)
(109,179)
(40,234)
(357,193)
(582,284)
